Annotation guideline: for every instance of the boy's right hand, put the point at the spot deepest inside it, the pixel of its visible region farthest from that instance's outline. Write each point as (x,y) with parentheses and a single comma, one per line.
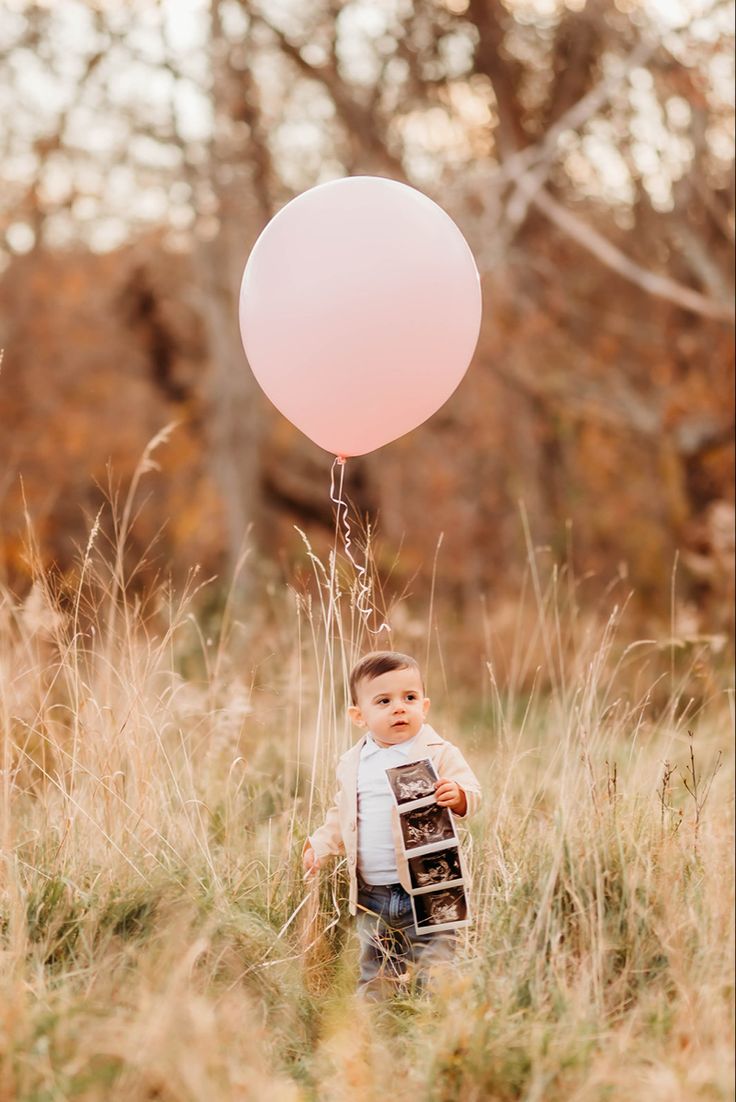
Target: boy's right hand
(311,862)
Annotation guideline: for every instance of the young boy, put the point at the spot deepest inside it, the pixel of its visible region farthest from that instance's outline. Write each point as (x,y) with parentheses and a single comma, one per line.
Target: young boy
(389,703)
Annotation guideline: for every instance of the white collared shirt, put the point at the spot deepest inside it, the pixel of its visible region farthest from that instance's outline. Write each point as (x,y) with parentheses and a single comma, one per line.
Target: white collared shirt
(376,853)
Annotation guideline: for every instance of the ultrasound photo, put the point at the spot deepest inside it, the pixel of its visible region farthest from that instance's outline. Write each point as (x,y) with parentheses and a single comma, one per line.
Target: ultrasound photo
(439,867)
(413,781)
(441,908)
(424,825)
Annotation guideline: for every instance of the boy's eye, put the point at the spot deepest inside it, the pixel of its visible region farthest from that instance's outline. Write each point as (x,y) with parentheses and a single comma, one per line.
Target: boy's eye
(383,700)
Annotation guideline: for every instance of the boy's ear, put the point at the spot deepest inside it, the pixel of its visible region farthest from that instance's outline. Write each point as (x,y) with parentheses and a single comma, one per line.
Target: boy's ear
(356,715)
(425,705)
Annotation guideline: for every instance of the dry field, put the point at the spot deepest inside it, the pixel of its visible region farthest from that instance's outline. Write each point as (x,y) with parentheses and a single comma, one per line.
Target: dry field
(158,941)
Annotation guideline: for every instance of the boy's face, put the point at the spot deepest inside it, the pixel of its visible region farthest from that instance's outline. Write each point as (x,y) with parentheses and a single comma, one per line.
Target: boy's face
(392,706)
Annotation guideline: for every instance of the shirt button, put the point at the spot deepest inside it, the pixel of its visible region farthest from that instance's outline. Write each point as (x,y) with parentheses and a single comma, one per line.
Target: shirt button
(351,859)
(352,825)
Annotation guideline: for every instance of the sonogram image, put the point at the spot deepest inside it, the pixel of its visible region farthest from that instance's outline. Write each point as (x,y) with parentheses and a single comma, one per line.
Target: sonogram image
(413,781)
(424,825)
(439,867)
(441,908)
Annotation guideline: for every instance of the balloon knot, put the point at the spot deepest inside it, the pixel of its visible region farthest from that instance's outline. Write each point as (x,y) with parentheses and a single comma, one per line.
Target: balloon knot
(342,460)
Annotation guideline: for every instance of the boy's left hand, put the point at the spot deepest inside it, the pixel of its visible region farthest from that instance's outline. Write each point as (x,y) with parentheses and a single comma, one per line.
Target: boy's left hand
(450,794)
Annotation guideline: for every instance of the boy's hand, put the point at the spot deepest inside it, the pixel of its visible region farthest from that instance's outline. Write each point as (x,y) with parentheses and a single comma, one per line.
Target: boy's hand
(450,794)
(310,862)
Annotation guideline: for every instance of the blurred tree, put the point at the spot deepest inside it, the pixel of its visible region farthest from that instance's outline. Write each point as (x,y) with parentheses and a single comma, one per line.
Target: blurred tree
(586,150)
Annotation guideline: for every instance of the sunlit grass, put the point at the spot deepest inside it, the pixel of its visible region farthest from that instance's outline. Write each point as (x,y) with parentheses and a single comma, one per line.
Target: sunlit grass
(157,941)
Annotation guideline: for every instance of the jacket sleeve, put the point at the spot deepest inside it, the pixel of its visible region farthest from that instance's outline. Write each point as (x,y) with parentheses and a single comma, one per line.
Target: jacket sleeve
(455,768)
(327,840)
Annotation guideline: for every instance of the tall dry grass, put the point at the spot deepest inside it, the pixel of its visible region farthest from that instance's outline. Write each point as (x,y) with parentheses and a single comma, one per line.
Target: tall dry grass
(159,776)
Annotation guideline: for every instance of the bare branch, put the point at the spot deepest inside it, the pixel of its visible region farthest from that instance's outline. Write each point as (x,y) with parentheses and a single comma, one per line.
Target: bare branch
(358,119)
(612,257)
(721,215)
(503,70)
(576,116)
(539,158)
(700,260)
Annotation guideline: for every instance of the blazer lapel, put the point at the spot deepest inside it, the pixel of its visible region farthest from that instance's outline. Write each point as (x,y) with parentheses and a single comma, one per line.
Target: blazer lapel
(351,778)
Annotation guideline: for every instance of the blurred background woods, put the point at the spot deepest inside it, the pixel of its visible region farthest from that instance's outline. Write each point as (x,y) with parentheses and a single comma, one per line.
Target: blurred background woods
(586,151)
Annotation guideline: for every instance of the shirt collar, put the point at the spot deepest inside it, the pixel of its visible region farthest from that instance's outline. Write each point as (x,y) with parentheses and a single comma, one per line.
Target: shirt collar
(371,747)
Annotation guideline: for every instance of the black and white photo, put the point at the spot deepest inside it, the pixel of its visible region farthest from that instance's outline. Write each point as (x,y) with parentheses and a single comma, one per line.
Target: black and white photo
(431,848)
(425,826)
(441,908)
(413,781)
(442,866)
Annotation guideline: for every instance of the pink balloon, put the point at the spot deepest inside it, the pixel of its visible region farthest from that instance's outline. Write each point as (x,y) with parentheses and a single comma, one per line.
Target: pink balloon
(360,309)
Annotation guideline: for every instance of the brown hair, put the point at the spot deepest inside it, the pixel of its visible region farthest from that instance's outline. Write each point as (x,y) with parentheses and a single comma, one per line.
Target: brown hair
(378,662)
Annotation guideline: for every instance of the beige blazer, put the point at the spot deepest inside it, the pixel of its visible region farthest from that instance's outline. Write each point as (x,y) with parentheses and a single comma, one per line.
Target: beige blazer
(339,833)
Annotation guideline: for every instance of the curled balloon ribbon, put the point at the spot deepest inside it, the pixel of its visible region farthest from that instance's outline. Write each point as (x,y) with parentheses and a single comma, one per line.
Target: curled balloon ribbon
(362,597)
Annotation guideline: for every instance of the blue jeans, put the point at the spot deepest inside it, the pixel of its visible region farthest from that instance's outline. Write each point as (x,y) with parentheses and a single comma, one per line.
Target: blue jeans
(389,944)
